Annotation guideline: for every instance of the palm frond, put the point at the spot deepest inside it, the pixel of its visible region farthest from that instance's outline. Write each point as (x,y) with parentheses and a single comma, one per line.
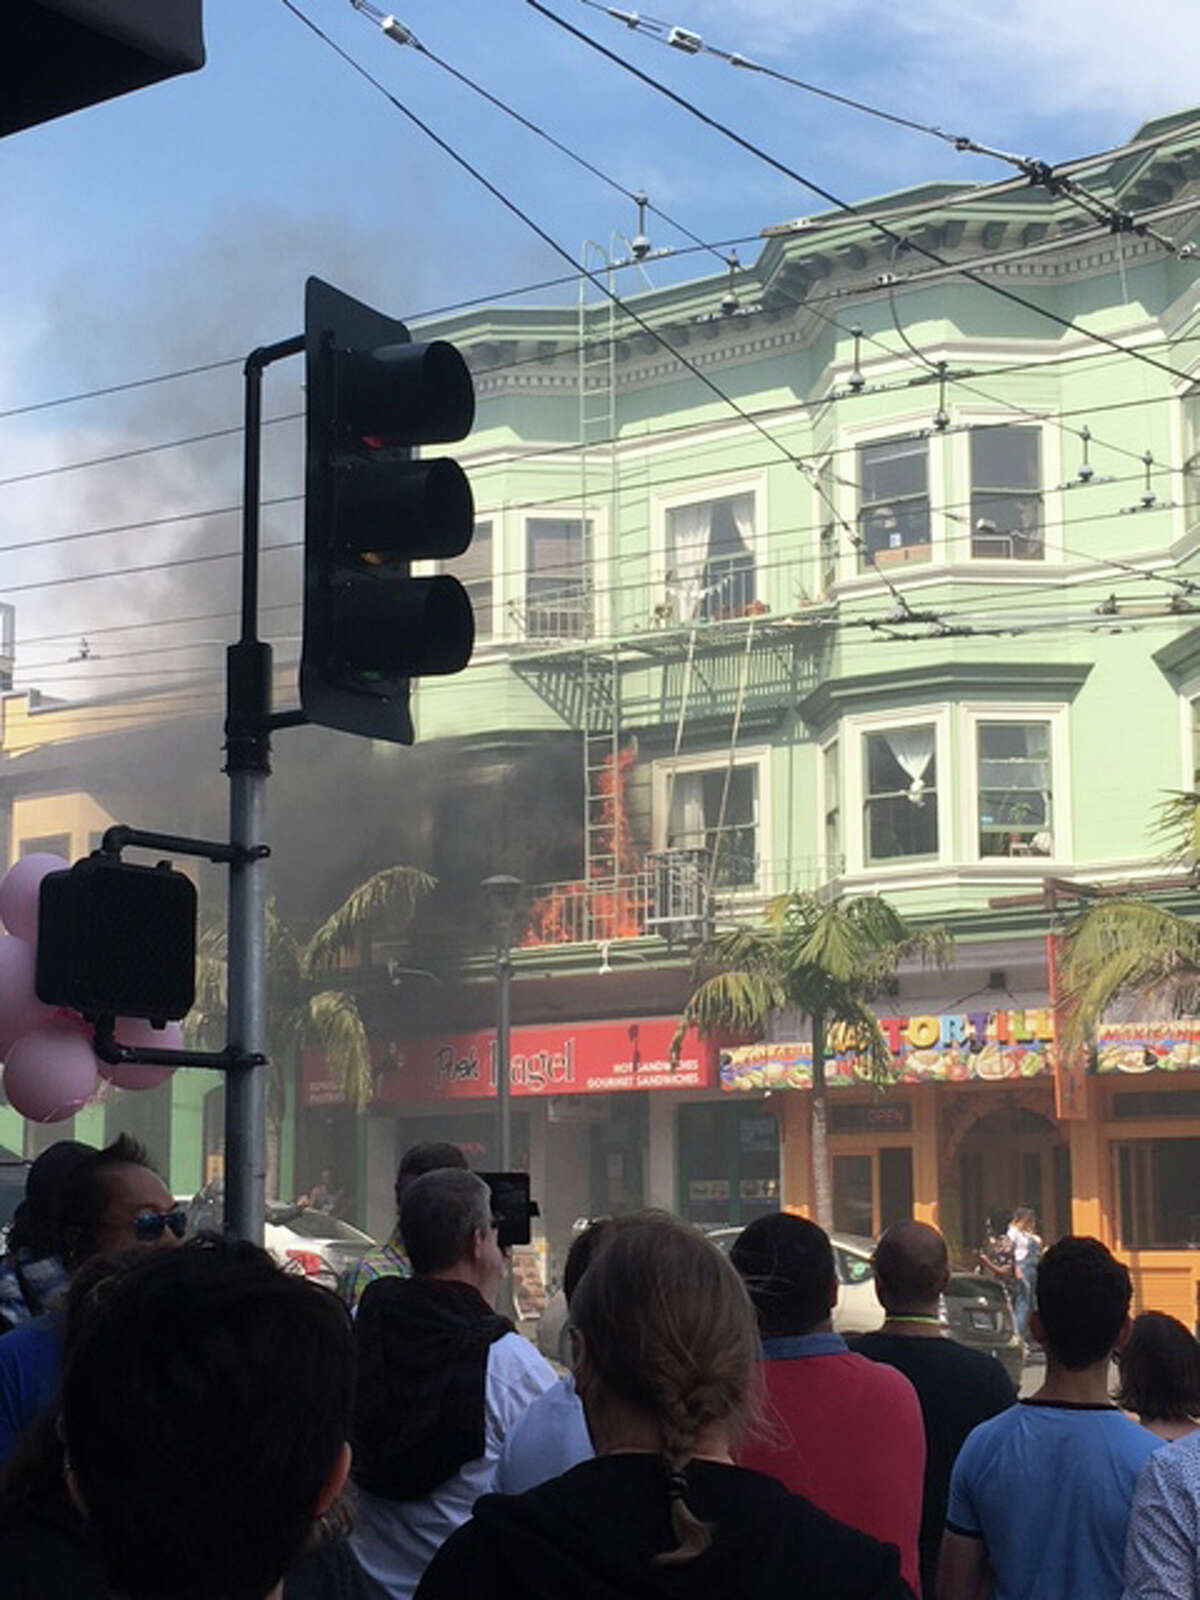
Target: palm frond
(738,1001)
(332,1021)
(385,902)
(1177,824)
(1121,949)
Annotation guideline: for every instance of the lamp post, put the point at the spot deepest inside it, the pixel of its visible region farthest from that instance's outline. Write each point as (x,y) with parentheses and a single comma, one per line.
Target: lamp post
(502,893)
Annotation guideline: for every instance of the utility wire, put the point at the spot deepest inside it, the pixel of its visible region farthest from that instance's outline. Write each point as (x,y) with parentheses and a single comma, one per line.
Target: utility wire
(141,450)
(594,278)
(1039,172)
(882,228)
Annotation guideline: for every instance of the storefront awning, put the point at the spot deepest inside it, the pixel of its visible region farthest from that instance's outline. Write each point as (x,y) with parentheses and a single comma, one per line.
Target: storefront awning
(560,1058)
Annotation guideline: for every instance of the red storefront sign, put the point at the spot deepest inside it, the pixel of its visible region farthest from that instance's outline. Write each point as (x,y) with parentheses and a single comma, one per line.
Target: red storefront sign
(562,1058)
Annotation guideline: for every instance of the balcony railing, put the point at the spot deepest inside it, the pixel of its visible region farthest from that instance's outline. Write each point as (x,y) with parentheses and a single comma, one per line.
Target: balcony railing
(673,897)
(588,607)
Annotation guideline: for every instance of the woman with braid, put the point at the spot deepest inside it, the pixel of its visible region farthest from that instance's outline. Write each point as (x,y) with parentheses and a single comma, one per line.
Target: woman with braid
(666,1351)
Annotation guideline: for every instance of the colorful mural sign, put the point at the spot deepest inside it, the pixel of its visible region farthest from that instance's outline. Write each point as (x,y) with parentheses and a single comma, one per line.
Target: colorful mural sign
(1138,1047)
(950,1047)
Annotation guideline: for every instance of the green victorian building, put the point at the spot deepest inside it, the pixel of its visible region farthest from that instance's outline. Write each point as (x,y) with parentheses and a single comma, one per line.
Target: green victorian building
(867,567)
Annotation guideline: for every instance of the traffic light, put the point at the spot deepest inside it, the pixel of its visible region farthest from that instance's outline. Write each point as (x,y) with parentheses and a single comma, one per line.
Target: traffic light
(57,56)
(371,510)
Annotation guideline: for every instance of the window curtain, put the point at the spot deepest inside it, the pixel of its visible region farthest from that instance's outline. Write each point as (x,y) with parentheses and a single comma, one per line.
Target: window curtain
(913,749)
(742,511)
(690,529)
(685,824)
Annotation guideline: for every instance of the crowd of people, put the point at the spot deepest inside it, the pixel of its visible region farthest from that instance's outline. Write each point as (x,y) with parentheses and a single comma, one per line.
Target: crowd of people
(180,1419)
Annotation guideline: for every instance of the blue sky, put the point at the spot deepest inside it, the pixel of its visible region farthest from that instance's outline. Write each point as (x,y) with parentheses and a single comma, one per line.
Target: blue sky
(177,225)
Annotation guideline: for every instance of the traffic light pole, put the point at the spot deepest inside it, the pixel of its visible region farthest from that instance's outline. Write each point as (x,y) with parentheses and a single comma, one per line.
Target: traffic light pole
(248,726)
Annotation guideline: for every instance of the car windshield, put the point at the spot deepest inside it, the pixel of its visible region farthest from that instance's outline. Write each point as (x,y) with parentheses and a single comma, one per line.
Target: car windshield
(319,1225)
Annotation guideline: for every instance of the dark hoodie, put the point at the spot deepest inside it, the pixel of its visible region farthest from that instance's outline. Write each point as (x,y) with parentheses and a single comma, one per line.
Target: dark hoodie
(592,1534)
(422,1365)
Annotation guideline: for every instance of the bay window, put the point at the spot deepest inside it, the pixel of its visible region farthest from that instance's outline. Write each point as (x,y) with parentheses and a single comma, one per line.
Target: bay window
(1006,499)
(900,804)
(710,560)
(1015,796)
(893,514)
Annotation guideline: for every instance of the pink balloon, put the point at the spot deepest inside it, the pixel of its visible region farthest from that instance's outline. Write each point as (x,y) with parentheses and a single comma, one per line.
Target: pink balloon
(141,1036)
(19,893)
(20,1009)
(50,1074)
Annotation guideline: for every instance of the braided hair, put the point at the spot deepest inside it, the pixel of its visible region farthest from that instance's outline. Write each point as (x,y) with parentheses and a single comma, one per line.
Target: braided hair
(669,1329)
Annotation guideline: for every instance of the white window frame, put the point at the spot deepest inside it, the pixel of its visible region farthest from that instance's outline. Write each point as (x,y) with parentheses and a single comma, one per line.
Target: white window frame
(854,789)
(1189,708)
(756,756)
(701,493)
(1056,715)
(832,751)
(602,610)
(1050,456)
(848,498)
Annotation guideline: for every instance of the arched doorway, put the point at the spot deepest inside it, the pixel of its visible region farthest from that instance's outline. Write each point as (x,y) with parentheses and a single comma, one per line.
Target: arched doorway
(1008,1157)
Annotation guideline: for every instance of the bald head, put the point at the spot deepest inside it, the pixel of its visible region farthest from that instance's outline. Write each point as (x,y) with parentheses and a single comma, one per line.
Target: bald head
(911,1268)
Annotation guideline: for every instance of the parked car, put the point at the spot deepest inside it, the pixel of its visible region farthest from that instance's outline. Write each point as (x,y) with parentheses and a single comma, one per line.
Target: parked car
(857,1310)
(974,1310)
(301,1239)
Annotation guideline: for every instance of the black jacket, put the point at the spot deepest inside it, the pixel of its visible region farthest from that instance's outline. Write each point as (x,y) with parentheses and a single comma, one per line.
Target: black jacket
(422,1365)
(592,1534)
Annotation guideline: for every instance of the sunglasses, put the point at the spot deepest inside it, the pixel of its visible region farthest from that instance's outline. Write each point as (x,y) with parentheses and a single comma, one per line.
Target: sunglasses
(148,1225)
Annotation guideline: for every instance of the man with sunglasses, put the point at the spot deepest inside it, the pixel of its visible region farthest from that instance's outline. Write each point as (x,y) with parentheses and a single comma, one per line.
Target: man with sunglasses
(442,1381)
(112,1201)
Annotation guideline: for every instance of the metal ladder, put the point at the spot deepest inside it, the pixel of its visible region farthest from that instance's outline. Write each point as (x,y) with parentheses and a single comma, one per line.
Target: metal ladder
(604,846)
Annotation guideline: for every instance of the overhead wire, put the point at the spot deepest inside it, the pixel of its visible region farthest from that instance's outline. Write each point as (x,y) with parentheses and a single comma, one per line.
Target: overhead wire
(1037,171)
(593,277)
(884,229)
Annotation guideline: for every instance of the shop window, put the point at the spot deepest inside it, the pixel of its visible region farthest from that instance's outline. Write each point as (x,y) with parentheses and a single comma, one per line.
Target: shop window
(1158,1201)
(717,810)
(1006,499)
(1015,815)
(710,560)
(51,844)
(870,1192)
(728,1163)
(895,1185)
(853,1197)
(893,513)
(901,800)
(557,592)
(1150,1103)
(473,569)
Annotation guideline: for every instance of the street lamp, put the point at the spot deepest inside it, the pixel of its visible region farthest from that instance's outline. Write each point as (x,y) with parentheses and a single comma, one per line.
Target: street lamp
(502,893)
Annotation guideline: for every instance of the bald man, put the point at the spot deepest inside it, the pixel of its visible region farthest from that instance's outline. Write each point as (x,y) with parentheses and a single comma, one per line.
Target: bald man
(958,1388)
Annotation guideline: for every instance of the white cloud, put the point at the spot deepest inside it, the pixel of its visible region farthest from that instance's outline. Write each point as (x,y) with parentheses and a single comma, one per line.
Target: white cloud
(1008,59)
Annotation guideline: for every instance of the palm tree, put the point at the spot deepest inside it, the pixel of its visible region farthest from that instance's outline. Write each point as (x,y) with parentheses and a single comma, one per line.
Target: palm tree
(824,960)
(302,1007)
(1126,950)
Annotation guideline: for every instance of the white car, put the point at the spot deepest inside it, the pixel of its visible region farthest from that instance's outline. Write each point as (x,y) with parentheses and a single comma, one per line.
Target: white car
(857,1310)
(300,1239)
(314,1243)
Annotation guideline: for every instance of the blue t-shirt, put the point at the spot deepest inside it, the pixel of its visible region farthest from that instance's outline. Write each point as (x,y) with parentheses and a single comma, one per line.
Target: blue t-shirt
(1048,1489)
(30,1363)
(549,1439)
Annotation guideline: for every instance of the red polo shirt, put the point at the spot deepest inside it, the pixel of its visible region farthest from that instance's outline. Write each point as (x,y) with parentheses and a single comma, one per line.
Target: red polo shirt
(846,1433)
